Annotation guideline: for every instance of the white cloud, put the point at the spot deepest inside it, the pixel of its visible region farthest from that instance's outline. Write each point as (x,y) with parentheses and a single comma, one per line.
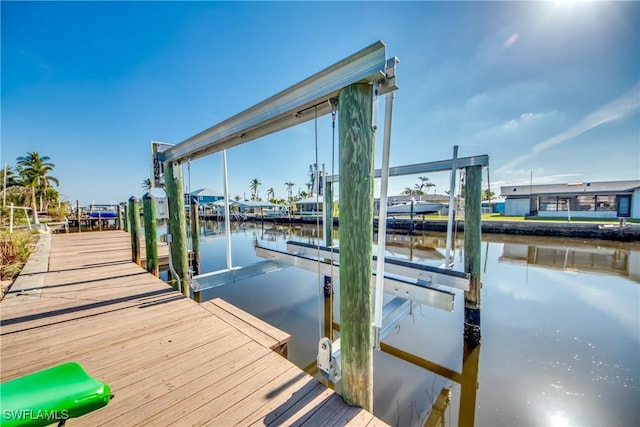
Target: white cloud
(615,110)
(524,119)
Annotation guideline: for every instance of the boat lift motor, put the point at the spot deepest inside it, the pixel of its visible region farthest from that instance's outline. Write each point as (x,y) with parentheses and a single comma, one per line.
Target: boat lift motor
(329,359)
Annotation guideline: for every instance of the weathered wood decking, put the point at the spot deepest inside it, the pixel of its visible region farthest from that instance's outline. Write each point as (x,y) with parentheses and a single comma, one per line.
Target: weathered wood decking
(168,360)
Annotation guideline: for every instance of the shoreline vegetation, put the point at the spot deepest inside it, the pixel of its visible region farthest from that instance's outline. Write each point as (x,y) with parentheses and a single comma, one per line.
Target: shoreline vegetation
(15,250)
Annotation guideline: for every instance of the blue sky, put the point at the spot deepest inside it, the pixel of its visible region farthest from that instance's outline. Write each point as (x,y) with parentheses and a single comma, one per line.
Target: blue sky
(546,88)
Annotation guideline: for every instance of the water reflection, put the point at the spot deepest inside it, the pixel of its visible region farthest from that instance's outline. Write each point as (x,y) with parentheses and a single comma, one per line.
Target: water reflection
(561,328)
(572,257)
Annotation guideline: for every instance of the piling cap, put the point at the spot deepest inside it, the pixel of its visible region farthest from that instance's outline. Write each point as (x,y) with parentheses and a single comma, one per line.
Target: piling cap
(133,199)
(147,195)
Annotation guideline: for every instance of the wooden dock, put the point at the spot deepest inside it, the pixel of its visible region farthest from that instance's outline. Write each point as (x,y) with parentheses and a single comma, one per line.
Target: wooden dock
(168,360)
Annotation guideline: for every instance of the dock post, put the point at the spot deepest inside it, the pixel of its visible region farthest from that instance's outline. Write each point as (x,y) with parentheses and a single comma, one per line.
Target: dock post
(472,252)
(178,255)
(328,236)
(356,171)
(125,218)
(134,221)
(151,233)
(119,223)
(195,235)
(78,215)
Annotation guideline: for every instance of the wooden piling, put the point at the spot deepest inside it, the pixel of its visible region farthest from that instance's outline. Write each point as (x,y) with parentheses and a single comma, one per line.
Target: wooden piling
(134,221)
(151,233)
(328,240)
(177,226)
(472,252)
(119,223)
(195,236)
(125,218)
(328,214)
(78,215)
(357,145)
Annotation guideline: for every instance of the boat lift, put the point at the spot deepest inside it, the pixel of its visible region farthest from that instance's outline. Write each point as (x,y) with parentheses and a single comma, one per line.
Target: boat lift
(309,99)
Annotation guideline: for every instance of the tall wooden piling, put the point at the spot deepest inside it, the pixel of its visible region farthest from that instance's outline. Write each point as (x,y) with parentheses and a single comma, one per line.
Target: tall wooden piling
(357,145)
(472,252)
(151,233)
(195,236)
(177,227)
(134,221)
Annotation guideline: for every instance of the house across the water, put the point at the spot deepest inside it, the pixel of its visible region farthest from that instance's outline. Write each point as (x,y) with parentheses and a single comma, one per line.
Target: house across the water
(611,199)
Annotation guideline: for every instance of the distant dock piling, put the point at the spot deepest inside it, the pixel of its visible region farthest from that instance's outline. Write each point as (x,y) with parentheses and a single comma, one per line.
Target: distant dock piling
(119,223)
(134,221)
(78,215)
(195,235)
(151,233)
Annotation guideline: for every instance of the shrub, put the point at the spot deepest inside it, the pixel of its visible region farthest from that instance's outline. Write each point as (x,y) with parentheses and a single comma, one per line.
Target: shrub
(15,249)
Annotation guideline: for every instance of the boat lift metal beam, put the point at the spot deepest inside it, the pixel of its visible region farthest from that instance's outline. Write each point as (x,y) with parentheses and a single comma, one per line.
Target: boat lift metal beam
(418,292)
(437,166)
(297,104)
(420,272)
(329,354)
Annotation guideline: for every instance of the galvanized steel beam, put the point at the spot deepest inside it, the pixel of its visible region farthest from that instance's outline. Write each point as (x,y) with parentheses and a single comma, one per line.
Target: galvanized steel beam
(290,107)
(437,166)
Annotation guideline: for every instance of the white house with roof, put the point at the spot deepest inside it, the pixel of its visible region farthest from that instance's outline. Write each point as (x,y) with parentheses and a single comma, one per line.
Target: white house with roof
(610,199)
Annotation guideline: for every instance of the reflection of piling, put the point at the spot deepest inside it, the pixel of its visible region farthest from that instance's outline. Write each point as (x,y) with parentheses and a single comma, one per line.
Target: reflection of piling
(177,227)
(195,235)
(134,221)
(356,228)
(469,384)
(150,233)
(472,253)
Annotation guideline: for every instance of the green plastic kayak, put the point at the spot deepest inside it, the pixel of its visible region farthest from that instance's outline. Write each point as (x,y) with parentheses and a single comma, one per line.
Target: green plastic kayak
(52,395)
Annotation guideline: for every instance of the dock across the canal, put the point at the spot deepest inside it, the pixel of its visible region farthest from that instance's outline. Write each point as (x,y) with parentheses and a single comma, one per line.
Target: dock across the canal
(167,359)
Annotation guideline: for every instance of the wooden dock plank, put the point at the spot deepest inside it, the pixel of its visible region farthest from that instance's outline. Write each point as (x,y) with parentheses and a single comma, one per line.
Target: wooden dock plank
(168,360)
(258,330)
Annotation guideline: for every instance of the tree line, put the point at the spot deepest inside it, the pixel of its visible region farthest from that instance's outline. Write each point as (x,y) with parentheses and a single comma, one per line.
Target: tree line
(30,183)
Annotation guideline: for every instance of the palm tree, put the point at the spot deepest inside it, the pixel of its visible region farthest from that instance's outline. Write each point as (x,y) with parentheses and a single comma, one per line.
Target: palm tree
(147,185)
(425,185)
(11,179)
(237,198)
(313,172)
(271,194)
(34,172)
(488,194)
(254,188)
(408,191)
(289,186)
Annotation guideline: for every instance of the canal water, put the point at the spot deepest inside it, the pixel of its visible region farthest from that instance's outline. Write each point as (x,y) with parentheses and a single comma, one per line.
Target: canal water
(560,328)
